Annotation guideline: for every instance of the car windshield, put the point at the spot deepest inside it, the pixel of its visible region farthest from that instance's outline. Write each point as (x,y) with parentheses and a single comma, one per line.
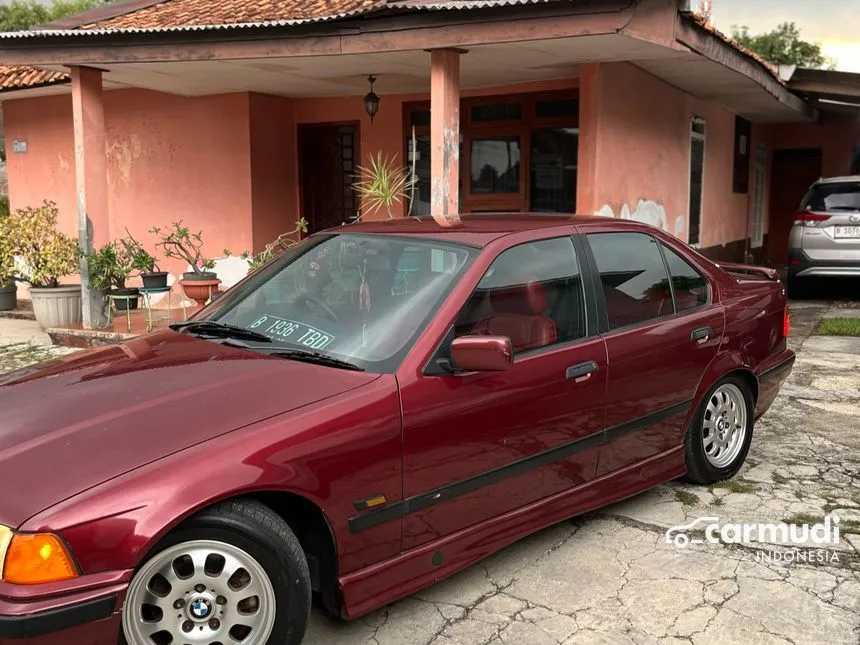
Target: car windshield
(361,298)
(833,197)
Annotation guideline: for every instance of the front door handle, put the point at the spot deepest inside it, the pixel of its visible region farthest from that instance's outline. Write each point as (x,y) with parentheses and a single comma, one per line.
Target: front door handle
(581,371)
(701,335)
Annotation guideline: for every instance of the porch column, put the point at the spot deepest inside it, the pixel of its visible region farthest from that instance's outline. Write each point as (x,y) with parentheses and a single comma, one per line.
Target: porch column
(90,177)
(445,136)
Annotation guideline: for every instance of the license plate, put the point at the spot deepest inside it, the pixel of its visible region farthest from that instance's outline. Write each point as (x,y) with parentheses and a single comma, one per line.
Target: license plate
(847,231)
(299,333)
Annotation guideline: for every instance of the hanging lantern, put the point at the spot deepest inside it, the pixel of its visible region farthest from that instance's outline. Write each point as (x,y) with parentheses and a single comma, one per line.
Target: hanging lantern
(371,100)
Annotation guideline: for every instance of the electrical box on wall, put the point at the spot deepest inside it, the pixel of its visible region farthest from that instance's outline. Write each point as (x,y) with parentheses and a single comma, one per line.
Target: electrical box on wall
(19,146)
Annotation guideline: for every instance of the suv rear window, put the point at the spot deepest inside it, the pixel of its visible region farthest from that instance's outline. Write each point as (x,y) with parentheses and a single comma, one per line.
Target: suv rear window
(842,196)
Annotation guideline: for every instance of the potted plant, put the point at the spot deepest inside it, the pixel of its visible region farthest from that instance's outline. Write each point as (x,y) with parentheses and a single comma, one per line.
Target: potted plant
(274,248)
(143,262)
(382,184)
(109,268)
(180,243)
(46,256)
(8,289)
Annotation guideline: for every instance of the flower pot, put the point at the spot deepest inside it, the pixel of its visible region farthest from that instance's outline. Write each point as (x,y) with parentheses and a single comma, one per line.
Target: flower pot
(202,276)
(8,298)
(126,303)
(57,306)
(199,290)
(154,280)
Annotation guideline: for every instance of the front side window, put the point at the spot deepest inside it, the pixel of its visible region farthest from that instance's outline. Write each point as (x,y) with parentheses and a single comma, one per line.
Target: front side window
(689,286)
(633,275)
(357,297)
(532,294)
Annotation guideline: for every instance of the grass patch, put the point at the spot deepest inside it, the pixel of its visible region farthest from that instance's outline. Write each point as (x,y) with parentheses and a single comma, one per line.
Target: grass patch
(839,327)
(687,499)
(718,501)
(798,494)
(778,479)
(737,485)
(804,518)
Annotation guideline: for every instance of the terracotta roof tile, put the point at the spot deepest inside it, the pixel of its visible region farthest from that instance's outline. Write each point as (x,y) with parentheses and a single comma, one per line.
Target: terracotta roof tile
(709,27)
(19,77)
(182,13)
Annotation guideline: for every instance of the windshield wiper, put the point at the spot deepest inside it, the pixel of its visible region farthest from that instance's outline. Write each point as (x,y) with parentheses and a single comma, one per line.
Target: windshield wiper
(297,355)
(219,330)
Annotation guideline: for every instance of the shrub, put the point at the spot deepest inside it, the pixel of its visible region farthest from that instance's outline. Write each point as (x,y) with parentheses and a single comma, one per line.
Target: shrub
(46,254)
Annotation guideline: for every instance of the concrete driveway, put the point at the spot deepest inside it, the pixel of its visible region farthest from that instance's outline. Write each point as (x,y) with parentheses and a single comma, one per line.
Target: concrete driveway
(610,577)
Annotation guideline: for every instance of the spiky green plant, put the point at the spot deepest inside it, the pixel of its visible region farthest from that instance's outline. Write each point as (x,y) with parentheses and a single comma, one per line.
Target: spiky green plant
(382,184)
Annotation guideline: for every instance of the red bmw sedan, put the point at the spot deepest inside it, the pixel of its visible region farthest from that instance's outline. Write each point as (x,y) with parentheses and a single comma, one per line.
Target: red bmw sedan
(380,407)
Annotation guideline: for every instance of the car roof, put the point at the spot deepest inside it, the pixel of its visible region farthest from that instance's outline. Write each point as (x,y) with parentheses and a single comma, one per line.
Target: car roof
(836,180)
(474,230)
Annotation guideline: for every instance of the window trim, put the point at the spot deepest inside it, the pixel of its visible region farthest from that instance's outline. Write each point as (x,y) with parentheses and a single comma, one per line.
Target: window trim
(592,320)
(703,137)
(757,209)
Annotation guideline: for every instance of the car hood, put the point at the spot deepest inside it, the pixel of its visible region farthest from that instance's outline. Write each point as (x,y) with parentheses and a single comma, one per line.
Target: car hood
(76,422)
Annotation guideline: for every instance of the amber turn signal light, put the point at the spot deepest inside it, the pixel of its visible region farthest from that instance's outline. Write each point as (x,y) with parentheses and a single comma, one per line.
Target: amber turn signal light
(37,558)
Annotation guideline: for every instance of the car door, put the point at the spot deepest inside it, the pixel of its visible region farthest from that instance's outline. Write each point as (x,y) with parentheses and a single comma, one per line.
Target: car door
(477,445)
(660,334)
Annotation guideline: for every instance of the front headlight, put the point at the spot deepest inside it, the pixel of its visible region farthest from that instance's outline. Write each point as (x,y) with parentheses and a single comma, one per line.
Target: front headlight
(34,558)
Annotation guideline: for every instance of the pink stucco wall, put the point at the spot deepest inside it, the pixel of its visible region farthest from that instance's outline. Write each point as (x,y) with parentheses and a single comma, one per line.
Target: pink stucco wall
(637,154)
(836,138)
(168,158)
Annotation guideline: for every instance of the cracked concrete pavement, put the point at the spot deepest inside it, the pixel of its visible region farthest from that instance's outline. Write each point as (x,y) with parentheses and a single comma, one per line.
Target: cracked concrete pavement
(609,577)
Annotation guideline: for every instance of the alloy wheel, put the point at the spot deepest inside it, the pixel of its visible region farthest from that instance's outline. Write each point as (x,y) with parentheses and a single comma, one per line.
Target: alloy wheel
(201,592)
(724,425)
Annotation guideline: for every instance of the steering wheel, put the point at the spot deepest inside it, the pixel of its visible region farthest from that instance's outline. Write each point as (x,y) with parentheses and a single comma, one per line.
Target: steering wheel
(320,303)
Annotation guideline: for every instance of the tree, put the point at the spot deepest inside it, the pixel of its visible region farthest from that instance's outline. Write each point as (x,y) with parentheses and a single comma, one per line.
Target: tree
(19,15)
(783,46)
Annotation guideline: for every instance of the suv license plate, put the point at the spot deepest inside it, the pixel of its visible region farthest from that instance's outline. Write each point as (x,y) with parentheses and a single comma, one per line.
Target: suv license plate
(847,231)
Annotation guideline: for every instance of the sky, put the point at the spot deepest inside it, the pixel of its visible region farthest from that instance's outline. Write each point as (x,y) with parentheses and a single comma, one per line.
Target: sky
(834,24)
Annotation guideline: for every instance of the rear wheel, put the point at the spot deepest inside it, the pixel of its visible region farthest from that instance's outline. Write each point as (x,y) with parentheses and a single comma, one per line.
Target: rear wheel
(719,438)
(233,574)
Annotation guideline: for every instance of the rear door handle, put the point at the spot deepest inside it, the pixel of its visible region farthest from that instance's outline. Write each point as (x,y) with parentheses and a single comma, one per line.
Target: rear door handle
(701,335)
(581,371)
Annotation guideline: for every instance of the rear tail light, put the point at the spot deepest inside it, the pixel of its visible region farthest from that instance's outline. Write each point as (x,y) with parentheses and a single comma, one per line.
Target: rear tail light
(810,219)
(786,323)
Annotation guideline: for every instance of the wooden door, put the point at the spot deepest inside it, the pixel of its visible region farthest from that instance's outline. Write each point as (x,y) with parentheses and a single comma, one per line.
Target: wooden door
(328,156)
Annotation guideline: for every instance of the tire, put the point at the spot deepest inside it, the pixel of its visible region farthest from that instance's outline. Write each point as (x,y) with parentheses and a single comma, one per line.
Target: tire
(239,532)
(707,463)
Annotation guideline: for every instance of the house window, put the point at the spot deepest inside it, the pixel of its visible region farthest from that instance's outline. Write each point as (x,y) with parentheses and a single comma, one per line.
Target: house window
(757,219)
(697,177)
(741,173)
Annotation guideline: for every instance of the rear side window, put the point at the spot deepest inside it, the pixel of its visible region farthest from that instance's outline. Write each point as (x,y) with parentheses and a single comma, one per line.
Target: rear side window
(842,196)
(691,288)
(633,275)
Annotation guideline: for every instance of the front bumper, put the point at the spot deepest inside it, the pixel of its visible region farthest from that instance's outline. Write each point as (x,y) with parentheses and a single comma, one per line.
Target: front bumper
(800,265)
(81,614)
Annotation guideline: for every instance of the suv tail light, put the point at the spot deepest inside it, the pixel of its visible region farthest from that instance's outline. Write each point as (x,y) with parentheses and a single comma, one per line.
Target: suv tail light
(786,323)
(805,218)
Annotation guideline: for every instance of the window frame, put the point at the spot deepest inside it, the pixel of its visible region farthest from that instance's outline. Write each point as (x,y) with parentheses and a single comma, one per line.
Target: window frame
(592,318)
(703,137)
(757,200)
(597,284)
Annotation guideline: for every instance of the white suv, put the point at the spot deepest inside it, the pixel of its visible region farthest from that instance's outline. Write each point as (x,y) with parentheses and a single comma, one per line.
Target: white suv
(825,238)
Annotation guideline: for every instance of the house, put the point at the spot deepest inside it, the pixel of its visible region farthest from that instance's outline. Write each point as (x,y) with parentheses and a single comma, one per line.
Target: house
(239,117)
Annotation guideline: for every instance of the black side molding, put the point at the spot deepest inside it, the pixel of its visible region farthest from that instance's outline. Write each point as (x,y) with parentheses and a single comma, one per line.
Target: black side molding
(456,489)
(55,620)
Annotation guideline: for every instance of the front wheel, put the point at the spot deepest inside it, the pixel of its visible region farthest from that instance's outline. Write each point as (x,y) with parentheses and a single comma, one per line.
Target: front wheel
(720,435)
(235,574)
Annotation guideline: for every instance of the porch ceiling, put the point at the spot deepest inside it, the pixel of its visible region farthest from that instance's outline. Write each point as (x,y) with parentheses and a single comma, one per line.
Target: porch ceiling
(488,65)
(397,72)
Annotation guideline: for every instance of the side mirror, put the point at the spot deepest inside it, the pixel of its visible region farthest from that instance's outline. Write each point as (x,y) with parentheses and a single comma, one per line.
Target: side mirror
(482,353)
